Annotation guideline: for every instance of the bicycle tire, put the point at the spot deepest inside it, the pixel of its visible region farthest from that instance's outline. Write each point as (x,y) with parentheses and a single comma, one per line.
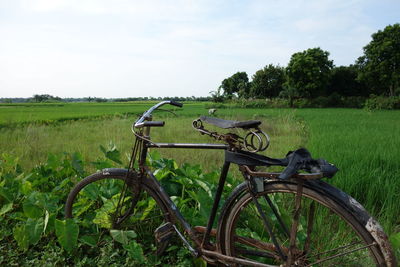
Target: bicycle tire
(333,225)
(102,189)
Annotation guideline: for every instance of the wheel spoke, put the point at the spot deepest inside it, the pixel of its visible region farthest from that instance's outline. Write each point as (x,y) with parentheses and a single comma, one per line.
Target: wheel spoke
(342,254)
(310,224)
(335,249)
(97,200)
(278,217)
(295,224)
(321,232)
(268,227)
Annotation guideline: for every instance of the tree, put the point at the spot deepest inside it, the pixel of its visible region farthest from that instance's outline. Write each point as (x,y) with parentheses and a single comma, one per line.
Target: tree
(268,82)
(45,97)
(344,82)
(216,96)
(289,93)
(308,72)
(380,64)
(238,83)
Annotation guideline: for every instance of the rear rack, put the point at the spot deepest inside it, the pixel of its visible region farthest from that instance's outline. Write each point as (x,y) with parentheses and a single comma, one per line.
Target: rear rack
(275,175)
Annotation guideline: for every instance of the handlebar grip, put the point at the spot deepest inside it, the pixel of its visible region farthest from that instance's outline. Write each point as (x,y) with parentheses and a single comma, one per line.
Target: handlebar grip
(150,124)
(177,104)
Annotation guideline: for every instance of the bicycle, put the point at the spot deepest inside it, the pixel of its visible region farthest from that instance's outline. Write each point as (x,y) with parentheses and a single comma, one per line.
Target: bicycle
(291,218)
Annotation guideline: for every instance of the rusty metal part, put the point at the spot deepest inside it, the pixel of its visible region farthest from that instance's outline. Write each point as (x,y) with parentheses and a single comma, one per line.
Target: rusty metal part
(375,229)
(256,141)
(296,217)
(248,241)
(164,232)
(187,145)
(267,224)
(275,175)
(230,259)
(133,181)
(201,230)
(310,224)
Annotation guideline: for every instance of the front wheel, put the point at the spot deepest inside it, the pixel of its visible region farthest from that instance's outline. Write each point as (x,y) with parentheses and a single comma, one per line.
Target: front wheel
(328,233)
(93,204)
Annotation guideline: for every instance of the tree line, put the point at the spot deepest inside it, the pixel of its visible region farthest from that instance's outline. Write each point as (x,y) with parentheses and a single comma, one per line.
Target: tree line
(310,74)
(46,98)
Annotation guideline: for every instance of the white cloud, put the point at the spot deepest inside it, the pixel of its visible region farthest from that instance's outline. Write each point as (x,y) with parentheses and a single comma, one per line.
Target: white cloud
(81,47)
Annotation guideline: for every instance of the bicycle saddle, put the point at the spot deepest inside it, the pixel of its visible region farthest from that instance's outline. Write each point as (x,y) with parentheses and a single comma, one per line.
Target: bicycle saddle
(225,124)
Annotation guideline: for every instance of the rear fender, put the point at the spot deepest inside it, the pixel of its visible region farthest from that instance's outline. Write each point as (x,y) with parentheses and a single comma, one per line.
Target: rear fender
(372,226)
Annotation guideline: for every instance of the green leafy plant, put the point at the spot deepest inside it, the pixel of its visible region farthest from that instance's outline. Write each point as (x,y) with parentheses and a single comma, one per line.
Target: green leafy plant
(67,232)
(32,205)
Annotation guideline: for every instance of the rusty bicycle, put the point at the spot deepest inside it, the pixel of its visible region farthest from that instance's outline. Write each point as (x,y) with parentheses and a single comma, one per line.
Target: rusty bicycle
(287,218)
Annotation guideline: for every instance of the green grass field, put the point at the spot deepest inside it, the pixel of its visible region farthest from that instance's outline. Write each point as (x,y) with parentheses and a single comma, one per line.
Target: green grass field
(364,145)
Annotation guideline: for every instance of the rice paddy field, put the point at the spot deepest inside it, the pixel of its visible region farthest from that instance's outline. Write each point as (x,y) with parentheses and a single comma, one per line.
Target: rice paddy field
(364,145)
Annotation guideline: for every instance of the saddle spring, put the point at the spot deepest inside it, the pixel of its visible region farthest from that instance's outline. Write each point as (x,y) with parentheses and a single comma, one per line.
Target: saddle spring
(255,140)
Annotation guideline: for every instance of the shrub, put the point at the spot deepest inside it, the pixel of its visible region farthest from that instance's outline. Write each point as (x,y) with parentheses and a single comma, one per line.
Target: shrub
(32,205)
(353,101)
(380,102)
(302,103)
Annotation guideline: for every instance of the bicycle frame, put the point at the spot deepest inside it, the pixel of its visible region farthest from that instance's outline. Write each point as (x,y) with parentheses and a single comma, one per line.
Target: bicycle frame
(166,198)
(203,247)
(254,182)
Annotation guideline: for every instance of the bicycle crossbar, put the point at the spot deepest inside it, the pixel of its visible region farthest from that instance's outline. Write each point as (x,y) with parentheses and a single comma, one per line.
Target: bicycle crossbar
(187,145)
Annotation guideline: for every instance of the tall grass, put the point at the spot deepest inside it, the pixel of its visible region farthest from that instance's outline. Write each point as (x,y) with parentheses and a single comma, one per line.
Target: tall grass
(366,148)
(364,145)
(33,142)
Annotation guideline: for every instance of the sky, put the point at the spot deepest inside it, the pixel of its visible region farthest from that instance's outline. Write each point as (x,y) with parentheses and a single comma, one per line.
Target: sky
(121,48)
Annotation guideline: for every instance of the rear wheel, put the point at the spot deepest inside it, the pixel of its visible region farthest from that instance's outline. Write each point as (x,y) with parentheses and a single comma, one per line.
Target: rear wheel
(93,203)
(328,234)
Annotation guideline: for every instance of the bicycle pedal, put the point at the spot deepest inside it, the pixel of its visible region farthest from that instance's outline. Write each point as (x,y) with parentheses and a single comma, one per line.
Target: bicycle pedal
(164,232)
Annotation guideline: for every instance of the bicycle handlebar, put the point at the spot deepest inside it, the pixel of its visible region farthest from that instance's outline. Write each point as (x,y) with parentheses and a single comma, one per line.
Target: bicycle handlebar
(177,104)
(150,124)
(141,121)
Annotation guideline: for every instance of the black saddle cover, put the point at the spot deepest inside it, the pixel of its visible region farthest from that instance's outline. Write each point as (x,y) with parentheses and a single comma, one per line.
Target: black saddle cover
(301,160)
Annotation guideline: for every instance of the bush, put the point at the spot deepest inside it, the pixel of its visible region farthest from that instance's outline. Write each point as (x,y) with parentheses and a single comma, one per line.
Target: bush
(353,101)
(302,103)
(380,102)
(261,103)
(215,105)
(33,231)
(333,101)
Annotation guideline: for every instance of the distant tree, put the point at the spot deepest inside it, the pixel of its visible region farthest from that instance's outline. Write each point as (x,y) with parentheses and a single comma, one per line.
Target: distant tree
(268,82)
(100,100)
(37,98)
(308,72)
(6,100)
(290,93)
(216,96)
(238,84)
(45,97)
(380,64)
(343,81)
